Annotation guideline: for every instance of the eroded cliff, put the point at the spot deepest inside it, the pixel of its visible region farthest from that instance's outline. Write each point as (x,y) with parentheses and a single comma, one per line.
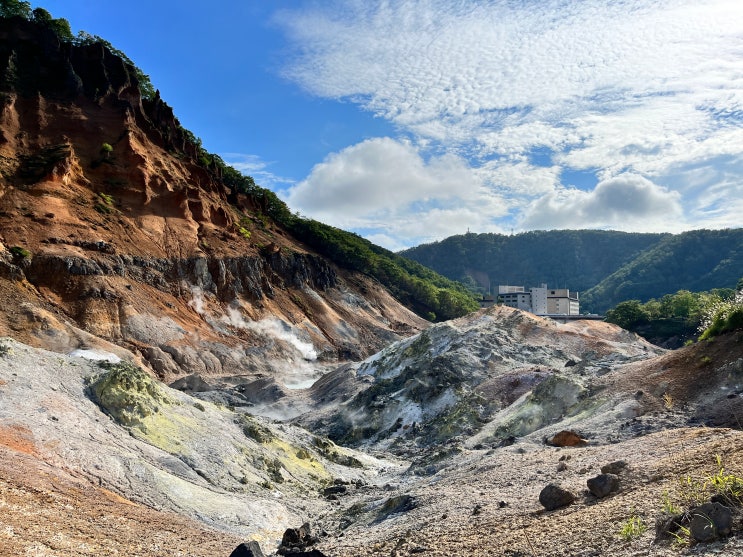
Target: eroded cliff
(115,233)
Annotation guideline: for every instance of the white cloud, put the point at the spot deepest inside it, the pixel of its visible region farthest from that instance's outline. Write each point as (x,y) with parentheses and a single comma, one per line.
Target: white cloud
(638,91)
(626,202)
(521,178)
(258,169)
(380,176)
(387,189)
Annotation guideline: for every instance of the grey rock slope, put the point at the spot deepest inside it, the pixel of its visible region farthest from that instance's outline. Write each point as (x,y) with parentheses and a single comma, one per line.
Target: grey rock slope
(120,429)
(448,429)
(500,372)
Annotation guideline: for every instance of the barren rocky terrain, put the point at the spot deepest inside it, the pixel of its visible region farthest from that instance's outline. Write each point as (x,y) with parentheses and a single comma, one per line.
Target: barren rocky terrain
(107,442)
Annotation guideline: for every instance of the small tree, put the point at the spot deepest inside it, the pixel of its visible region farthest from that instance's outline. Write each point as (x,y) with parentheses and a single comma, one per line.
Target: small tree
(627,314)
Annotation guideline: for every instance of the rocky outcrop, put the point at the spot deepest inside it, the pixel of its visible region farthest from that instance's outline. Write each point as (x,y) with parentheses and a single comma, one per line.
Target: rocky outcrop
(253,278)
(204,315)
(500,371)
(33,61)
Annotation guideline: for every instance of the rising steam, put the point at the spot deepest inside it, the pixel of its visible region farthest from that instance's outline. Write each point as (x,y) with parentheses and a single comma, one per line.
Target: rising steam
(272,327)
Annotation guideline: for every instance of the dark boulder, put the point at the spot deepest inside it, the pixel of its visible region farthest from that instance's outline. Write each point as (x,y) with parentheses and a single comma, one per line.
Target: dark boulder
(603,484)
(554,497)
(296,540)
(334,490)
(710,521)
(249,549)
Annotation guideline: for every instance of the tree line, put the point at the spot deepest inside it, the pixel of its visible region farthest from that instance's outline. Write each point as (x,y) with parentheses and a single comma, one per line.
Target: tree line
(703,314)
(61,27)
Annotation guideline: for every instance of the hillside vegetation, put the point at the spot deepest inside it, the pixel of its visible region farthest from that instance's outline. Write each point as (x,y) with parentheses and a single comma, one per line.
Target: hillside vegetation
(697,260)
(606,267)
(684,316)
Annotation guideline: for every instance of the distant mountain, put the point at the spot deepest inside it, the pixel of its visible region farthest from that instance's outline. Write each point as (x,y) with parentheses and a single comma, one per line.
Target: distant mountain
(697,260)
(606,267)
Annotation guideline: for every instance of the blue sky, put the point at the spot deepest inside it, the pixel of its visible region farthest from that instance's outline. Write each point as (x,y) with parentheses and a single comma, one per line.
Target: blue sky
(410,121)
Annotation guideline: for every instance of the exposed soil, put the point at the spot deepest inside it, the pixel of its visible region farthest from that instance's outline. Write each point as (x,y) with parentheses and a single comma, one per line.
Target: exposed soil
(47,511)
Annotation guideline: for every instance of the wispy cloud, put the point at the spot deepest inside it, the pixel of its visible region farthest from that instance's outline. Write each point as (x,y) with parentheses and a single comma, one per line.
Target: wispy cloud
(637,88)
(252,165)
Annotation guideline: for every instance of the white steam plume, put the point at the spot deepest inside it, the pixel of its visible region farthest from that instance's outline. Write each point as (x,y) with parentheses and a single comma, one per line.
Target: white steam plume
(197,300)
(273,327)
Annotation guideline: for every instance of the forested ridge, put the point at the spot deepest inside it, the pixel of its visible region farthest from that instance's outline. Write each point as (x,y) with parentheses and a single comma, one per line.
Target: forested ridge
(605,267)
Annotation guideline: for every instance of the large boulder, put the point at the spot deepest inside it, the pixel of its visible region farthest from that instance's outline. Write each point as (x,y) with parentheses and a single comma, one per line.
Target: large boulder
(710,521)
(554,497)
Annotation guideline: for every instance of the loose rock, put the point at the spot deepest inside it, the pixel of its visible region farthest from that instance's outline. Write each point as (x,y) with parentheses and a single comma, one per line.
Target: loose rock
(567,438)
(296,540)
(603,484)
(249,549)
(554,497)
(710,521)
(614,467)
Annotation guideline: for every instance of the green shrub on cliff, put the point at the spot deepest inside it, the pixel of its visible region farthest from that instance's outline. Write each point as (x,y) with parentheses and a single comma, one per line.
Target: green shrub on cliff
(723,317)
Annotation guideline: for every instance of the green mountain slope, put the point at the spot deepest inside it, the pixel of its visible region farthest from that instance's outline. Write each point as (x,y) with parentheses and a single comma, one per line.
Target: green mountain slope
(606,267)
(697,260)
(577,259)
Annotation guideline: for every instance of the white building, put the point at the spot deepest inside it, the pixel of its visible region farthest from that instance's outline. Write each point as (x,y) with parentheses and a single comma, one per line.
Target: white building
(562,302)
(540,300)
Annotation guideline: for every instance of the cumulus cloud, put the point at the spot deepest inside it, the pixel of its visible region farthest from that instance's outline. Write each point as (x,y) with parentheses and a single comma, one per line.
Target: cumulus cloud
(625,202)
(637,91)
(380,183)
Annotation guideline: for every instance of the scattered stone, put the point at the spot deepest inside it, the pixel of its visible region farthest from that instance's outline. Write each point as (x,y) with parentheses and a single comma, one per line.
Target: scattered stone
(477,510)
(296,540)
(554,497)
(603,484)
(567,438)
(249,549)
(334,490)
(502,504)
(562,466)
(710,521)
(614,467)
(571,363)
(394,505)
